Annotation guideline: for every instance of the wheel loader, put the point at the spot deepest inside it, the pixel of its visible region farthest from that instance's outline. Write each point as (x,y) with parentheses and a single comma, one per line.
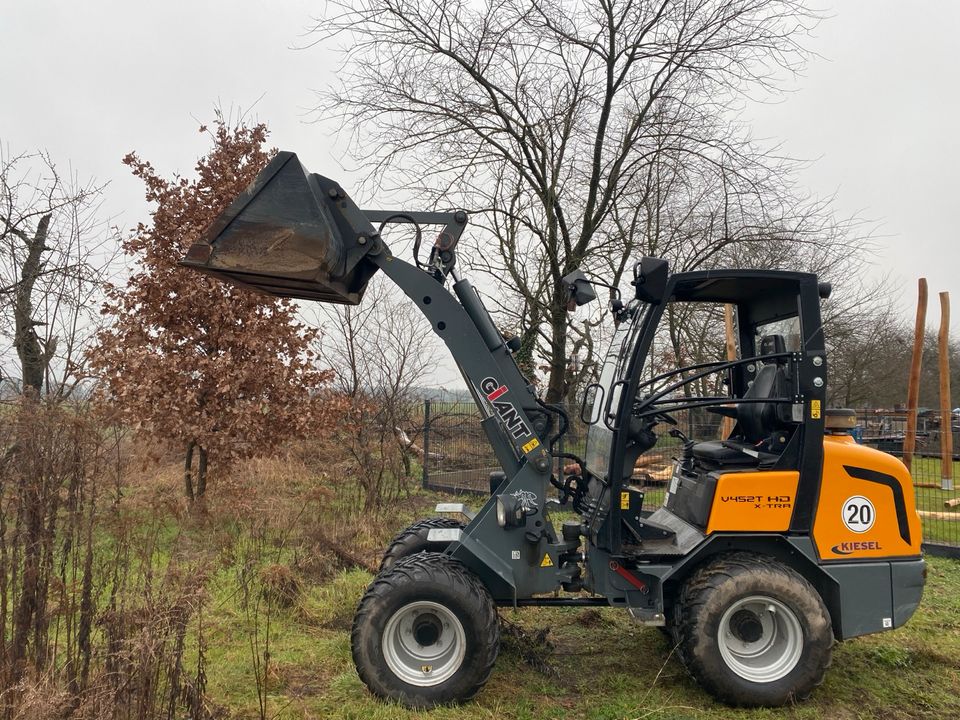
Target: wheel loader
(772,541)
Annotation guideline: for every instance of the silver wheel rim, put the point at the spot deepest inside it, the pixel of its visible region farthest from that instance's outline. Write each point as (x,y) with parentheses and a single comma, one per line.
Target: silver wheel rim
(424,643)
(760,639)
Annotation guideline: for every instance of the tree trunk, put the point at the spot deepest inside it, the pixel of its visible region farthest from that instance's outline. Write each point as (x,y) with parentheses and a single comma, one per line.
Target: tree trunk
(202,472)
(913,382)
(86,598)
(525,356)
(34,356)
(946,402)
(26,604)
(188,471)
(50,499)
(557,383)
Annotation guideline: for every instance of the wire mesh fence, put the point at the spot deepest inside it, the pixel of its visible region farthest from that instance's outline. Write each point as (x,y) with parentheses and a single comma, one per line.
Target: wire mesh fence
(458,458)
(934,481)
(456,454)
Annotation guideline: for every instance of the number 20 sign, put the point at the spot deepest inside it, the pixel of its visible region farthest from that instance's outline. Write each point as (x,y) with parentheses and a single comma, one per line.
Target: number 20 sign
(858,514)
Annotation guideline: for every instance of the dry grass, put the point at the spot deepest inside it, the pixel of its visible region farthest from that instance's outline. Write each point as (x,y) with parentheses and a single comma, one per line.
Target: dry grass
(240,607)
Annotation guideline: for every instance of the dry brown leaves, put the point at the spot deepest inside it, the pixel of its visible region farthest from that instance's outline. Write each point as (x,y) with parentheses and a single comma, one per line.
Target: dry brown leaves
(190,358)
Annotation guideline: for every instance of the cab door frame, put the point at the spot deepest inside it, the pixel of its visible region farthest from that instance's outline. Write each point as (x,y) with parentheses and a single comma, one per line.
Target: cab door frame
(811,368)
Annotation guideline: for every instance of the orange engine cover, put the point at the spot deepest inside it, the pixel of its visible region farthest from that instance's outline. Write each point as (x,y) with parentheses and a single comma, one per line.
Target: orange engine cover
(866,505)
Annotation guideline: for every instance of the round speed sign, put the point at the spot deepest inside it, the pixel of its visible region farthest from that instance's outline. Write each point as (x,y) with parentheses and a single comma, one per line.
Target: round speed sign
(858,514)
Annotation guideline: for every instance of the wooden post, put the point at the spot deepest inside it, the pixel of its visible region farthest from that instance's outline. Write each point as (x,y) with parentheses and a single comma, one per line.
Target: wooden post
(946,412)
(933,515)
(913,385)
(727,426)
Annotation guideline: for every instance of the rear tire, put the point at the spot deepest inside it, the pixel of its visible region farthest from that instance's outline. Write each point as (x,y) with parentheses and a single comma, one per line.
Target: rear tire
(413,540)
(753,632)
(426,632)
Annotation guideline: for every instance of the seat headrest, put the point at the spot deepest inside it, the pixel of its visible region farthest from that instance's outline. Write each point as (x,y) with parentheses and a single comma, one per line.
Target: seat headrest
(773,344)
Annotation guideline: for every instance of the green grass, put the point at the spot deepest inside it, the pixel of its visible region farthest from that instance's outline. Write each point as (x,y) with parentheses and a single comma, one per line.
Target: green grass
(927,470)
(606,666)
(938,530)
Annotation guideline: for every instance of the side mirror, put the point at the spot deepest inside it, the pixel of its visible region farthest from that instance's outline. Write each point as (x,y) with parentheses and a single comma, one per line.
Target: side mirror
(650,279)
(579,290)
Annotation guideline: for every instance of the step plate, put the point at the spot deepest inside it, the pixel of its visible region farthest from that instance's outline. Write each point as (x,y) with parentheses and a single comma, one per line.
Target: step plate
(687,536)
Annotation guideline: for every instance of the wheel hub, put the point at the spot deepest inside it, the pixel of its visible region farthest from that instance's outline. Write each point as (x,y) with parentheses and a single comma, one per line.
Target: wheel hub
(746,626)
(424,643)
(760,638)
(427,629)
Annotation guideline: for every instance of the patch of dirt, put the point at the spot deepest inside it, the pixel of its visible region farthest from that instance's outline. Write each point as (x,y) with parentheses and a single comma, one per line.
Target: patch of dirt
(294,680)
(590,618)
(533,647)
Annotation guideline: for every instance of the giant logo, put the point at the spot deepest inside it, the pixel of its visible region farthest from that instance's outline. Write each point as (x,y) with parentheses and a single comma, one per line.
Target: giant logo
(509,415)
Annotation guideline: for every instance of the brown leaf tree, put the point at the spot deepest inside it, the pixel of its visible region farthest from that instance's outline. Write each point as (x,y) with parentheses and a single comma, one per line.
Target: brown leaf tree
(221,372)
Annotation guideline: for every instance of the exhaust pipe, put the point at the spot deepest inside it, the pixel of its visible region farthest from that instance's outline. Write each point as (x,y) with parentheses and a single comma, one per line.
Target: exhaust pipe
(290,234)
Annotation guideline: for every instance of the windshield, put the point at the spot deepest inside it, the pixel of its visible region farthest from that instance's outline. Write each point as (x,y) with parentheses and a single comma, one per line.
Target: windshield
(603,407)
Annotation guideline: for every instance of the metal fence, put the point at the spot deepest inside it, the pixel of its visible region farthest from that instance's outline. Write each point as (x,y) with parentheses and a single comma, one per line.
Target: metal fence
(458,459)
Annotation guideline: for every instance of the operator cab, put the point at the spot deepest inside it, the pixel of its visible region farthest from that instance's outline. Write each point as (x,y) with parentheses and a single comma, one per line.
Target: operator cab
(698,403)
(763,426)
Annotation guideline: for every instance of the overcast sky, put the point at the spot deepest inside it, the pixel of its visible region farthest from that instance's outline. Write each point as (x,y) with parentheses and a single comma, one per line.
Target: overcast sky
(90,81)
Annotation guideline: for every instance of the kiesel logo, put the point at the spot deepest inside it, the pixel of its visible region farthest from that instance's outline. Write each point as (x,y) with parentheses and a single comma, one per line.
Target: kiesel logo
(505,409)
(848,548)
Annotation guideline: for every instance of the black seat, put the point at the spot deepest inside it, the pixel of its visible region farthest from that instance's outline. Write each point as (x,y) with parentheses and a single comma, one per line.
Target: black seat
(760,420)
(757,421)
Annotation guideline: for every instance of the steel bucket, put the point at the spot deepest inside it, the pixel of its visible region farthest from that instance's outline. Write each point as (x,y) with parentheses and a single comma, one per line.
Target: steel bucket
(291,234)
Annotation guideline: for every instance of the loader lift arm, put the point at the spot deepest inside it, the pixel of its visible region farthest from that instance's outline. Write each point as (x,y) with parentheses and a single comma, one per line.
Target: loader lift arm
(509,408)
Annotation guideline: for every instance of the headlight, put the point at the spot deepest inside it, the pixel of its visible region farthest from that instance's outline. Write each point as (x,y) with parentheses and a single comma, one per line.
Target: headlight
(510,512)
(501,513)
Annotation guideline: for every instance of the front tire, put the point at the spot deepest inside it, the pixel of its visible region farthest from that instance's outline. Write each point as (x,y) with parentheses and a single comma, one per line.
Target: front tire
(753,631)
(426,632)
(413,539)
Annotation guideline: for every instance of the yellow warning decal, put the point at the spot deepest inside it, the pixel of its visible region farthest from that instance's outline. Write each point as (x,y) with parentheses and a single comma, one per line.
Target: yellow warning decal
(546,562)
(814,409)
(624,501)
(531,445)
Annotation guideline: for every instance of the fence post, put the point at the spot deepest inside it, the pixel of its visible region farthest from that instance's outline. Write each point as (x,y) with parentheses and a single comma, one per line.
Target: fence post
(426,444)
(913,383)
(946,411)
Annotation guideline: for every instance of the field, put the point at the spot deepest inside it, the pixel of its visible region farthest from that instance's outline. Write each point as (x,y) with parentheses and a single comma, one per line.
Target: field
(588,664)
(239,606)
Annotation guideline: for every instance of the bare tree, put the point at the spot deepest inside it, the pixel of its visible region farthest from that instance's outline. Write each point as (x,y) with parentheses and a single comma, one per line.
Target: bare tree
(54,259)
(382,351)
(869,353)
(572,126)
